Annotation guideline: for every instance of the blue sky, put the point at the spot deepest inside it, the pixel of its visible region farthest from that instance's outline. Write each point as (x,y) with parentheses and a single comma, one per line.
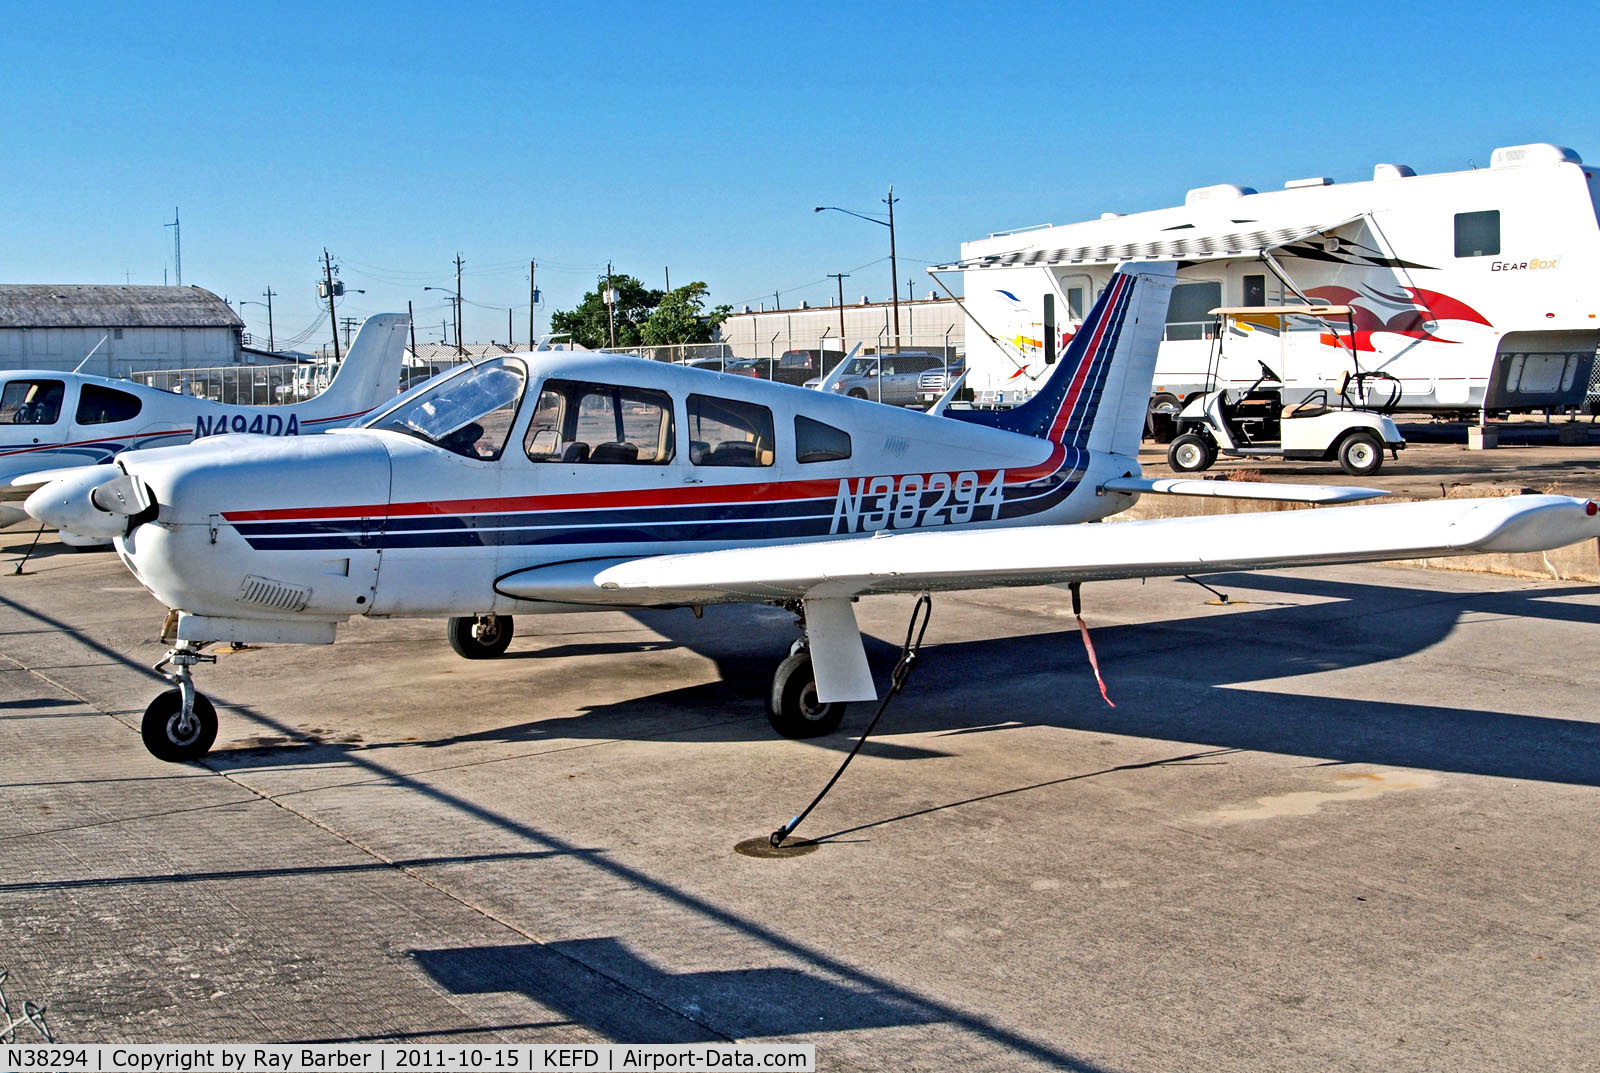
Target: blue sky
(697,138)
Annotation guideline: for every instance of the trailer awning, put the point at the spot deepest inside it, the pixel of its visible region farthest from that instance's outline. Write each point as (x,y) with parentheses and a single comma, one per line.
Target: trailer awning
(1189,244)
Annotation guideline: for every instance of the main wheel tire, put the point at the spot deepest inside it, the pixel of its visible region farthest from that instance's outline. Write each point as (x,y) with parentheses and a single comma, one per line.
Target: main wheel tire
(480,637)
(857,393)
(1191,453)
(792,705)
(169,741)
(1361,454)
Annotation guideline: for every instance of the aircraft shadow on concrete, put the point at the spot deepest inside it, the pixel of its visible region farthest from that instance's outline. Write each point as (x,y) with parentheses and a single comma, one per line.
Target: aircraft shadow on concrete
(1171,680)
(603,985)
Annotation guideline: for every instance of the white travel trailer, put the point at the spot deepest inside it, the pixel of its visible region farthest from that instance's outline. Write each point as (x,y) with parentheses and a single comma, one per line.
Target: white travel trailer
(1472,290)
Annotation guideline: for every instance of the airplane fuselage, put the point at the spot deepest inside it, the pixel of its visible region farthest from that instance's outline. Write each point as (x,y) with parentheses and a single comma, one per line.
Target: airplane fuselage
(598,458)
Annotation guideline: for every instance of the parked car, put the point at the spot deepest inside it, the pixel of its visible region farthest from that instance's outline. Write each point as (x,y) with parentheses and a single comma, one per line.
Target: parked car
(892,378)
(798,366)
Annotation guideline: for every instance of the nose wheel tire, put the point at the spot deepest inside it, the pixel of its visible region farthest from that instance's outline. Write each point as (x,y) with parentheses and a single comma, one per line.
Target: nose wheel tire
(174,739)
(792,705)
(1191,452)
(480,636)
(1361,454)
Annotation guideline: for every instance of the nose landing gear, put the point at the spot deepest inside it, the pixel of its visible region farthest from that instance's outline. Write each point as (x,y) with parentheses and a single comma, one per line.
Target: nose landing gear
(181,724)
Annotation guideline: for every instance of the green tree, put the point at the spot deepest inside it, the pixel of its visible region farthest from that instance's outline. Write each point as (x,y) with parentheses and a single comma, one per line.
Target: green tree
(587,323)
(680,317)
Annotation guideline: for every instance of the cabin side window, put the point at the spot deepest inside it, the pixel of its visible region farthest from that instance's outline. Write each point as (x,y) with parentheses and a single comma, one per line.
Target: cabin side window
(817,442)
(600,424)
(727,432)
(102,405)
(31,402)
(1478,234)
(1188,314)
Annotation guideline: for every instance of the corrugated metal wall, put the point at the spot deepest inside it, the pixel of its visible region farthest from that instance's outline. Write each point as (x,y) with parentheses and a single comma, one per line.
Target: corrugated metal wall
(137,349)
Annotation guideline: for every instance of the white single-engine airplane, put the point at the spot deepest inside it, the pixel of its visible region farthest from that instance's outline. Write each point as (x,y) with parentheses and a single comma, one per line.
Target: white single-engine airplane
(574,482)
(53,420)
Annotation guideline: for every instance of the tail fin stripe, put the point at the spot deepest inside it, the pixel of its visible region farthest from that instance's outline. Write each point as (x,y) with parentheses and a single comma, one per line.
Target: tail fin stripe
(1094,355)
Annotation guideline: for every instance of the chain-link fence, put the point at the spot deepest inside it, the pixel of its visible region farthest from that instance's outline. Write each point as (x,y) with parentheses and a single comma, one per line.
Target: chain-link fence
(241,385)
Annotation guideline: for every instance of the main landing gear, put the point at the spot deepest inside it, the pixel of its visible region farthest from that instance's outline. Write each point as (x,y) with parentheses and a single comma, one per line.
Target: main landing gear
(480,636)
(792,705)
(181,723)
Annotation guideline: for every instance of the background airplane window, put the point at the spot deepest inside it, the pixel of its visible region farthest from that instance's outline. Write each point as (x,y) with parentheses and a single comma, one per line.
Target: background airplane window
(817,442)
(102,405)
(724,432)
(575,421)
(31,402)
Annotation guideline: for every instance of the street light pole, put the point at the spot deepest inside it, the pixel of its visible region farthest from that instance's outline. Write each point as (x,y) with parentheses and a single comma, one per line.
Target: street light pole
(841,277)
(894,270)
(894,274)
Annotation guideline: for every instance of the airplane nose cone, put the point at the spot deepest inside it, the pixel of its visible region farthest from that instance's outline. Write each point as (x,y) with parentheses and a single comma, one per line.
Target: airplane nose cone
(92,502)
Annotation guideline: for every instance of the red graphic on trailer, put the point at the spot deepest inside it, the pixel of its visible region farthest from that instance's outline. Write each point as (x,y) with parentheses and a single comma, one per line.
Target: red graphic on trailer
(1415,313)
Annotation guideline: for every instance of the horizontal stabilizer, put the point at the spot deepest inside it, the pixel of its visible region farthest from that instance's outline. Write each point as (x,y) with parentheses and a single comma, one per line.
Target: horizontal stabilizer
(1288,493)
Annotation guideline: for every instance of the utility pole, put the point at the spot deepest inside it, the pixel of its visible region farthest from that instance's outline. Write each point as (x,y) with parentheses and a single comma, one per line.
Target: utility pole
(533,300)
(327,268)
(272,343)
(894,274)
(611,304)
(668,271)
(509,333)
(459,348)
(841,277)
(177,246)
(348,323)
(411,320)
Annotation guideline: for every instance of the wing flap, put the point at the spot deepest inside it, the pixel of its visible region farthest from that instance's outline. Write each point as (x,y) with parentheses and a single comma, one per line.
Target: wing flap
(1290,493)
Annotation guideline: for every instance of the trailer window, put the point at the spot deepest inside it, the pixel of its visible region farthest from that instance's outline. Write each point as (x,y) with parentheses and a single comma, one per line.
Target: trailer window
(1188,314)
(1478,234)
(1255,291)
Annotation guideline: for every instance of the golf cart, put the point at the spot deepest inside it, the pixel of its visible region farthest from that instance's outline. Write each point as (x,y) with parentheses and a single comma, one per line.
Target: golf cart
(1353,429)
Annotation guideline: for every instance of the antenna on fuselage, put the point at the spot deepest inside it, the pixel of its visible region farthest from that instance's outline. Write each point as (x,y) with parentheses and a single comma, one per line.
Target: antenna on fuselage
(89,355)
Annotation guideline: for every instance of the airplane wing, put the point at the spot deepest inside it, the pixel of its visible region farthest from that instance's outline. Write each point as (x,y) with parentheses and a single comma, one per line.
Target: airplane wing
(827,575)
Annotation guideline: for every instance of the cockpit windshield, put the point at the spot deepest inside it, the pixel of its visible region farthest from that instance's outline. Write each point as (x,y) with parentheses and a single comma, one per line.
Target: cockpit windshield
(469,413)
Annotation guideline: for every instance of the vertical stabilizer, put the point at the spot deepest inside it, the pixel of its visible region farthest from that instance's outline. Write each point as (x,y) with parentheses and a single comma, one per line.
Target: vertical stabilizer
(369,374)
(1098,393)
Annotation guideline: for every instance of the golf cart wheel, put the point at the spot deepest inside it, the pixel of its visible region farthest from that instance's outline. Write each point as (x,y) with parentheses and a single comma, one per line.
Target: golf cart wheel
(1361,454)
(1191,453)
